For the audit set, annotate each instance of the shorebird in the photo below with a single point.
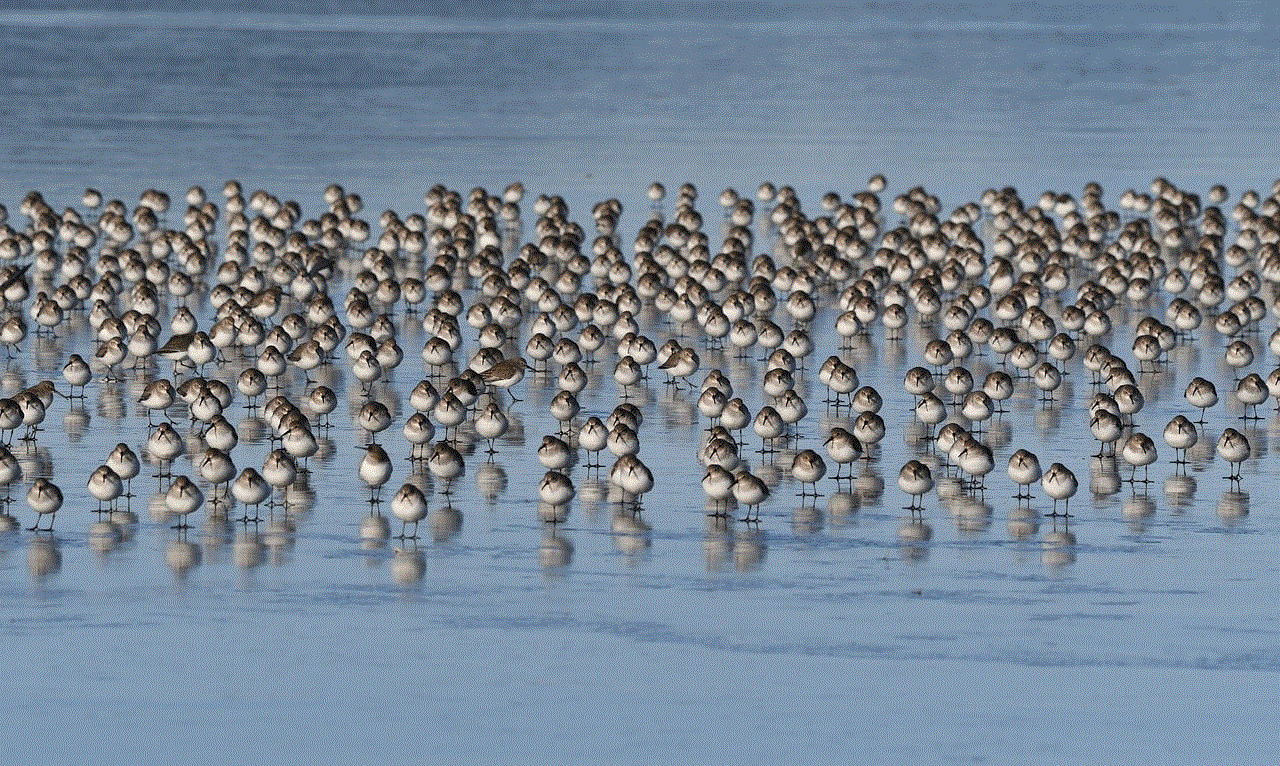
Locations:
(1233, 447)
(424, 396)
(749, 491)
(1107, 428)
(10, 471)
(623, 440)
(44, 497)
(1139, 450)
(322, 401)
(1201, 394)
(165, 444)
(1181, 435)
(869, 428)
(680, 365)
(769, 426)
(367, 369)
(249, 489)
(632, 476)
(717, 483)
(124, 462)
(916, 480)
(506, 374)
(491, 424)
(374, 469)
(554, 453)
(564, 408)
(418, 430)
(252, 383)
(410, 506)
(1059, 483)
(216, 467)
(182, 499)
(843, 448)
(930, 410)
(975, 459)
(157, 395)
(1251, 391)
(105, 485)
(1024, 470)
(305, 356)
(808, 468)
(555, 491)
(280, 471)
(445, 463)
(177, 350)
(374, 418)
(77, 374)
(999, 386)
(220, 434)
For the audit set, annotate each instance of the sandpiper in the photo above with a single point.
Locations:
(1138, 450)
(916, 480)
(44, 497)
(808, 468)
(555, 490)
(1233, 447)
(249, 489)
(1024, 470)
(1201, 394)
(77, 374)
(506, 374)
(124, 462)
(183, 498)
(491, 424)
(718, 483)
(1059, 483)
(445, 462)
(410, 506)
(750, 491)
(1181, 435)
(105, 485)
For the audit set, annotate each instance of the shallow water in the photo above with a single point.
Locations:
(824, 632)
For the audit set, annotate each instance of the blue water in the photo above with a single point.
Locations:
(824, 634)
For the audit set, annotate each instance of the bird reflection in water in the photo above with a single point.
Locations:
(717, 543)
(806, 520)
(1058, 547)
(1136, 510)
(749, 548)
(869, 487)
(408, 565)
(630, 535)
(44, 557)
(247, 549)
(1104, 476)
(1180, 492)
(182, 556)
(280, 535)
(914, 535)
(491, 481)
(104, 537)
(1233, 507)
(1023, 523)
(555, 552)
(972, 515)
(445, 523)
(76, 424)
(842, 508)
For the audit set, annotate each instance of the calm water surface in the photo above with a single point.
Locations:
(824, 632)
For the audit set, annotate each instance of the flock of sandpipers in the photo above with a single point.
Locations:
(1033, 285)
